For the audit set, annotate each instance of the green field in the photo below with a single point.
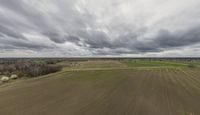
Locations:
(146, 63)
(107, 87)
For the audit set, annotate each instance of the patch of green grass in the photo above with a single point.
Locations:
(148, 63)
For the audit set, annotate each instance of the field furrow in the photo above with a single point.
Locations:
(136, 91)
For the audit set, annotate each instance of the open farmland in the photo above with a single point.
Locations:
(107, 87)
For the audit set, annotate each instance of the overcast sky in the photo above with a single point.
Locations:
(139, 28)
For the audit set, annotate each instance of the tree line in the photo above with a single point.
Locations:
(28, 68)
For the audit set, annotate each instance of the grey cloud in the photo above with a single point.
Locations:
(25, 10)
(54, 27)
(23, 44)
(163, 40)
(59, 38)
(73, 39)
(10, 32)
(54, 37)
(36, 20)
(95, 39)
(95, 27)
(166, 39)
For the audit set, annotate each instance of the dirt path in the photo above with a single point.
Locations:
(105, 92)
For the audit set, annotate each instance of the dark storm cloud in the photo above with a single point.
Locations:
(162, 41)
(167, 39)
(125, 43)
